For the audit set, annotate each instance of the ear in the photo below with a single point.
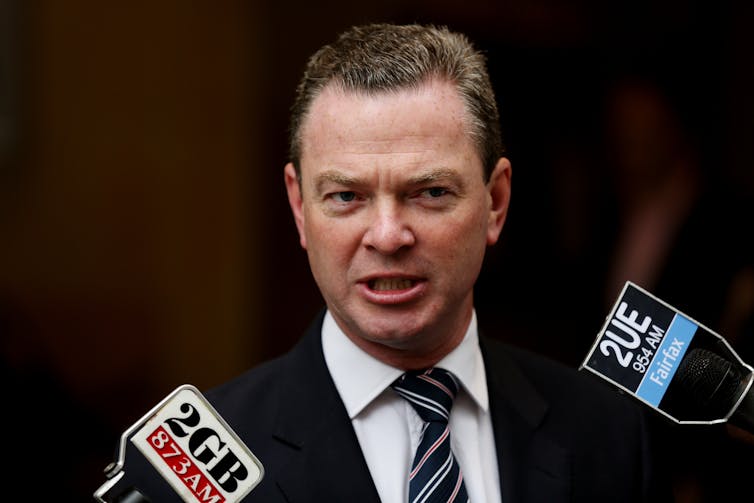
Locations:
(499, 187)
(293, 187)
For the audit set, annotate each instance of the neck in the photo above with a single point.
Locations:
(423, 351)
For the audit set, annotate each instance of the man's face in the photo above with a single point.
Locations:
(395, 215)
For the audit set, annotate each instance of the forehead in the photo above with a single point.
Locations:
(431, 113)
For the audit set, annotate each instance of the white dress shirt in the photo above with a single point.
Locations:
(389, 429)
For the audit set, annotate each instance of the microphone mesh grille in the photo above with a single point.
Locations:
(709, 380)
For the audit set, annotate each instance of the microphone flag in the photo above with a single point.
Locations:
(192, 448)
(649, 349)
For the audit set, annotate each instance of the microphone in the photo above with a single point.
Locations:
(715, 386)
(131, 495)
(191, 447)
(672, 363)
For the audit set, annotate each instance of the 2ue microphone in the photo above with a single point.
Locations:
(672, 363)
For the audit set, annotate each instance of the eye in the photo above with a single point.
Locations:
(435, 192)
(343, 197)
(436, 198)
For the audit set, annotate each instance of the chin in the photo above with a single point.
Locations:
(397, 328)
(397, 336)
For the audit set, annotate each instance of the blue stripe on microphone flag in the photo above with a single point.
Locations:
(667, 359)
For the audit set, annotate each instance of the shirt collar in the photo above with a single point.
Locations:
(360, 378)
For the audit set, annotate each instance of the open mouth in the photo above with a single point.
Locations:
(390, 291)
(390, 284)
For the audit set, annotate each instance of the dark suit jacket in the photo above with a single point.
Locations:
(561, 435)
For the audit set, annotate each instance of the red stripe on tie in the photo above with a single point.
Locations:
(437, 383)
(432, 449)
(458, 486)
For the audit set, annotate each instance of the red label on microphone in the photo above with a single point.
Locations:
(182, 465)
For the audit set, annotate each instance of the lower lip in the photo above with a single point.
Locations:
(393, 297)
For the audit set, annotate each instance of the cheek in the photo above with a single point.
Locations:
(459, 244)
(466, 243)
(468, 232)
(331, 244)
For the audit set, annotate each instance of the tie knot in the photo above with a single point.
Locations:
(430, 392)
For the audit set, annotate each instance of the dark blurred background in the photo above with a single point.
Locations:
(145, 239)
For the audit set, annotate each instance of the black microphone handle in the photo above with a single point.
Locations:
(131, 495)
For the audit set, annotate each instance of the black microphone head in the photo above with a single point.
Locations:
(710, 381)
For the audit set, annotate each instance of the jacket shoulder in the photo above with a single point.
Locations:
(563, 386)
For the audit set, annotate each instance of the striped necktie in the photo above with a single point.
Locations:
(435, 475)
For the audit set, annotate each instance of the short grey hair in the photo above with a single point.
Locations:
(385, 57)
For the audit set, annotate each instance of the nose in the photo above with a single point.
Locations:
(388, 232)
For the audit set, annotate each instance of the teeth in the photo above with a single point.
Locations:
(391, 284)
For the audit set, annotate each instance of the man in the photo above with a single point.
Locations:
(398, 185)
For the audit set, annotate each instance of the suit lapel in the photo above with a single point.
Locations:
(532, 467)
(324, 460)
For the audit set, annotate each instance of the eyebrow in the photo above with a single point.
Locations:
(335, 177)
(429, 177)
(434, 176)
